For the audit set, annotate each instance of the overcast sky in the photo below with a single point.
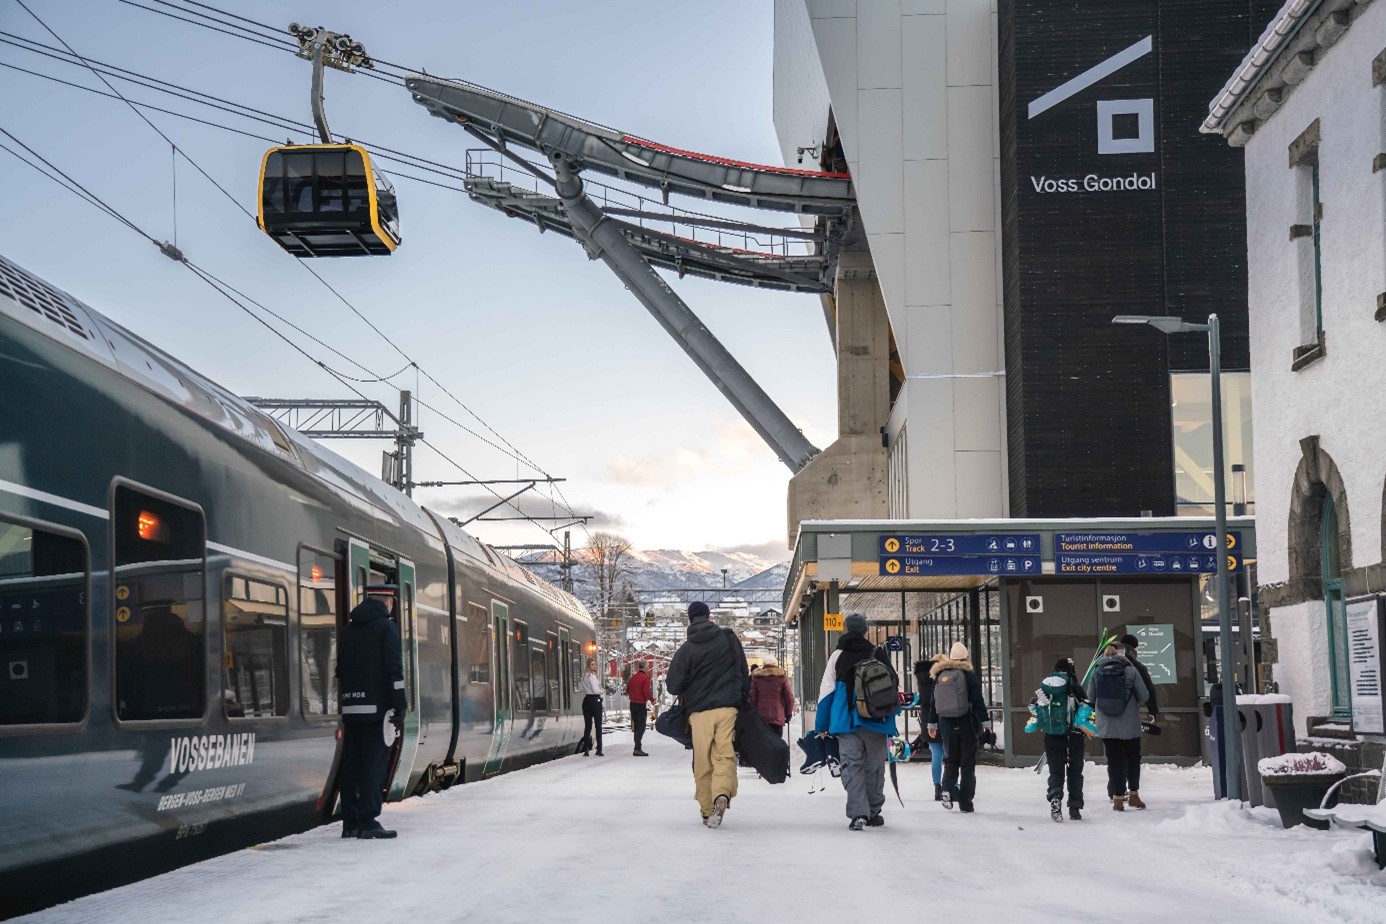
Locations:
(545, 346)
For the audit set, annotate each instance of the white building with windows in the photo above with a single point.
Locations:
(1308, 106)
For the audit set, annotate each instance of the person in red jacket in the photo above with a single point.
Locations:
(638, 692)
(771, 696)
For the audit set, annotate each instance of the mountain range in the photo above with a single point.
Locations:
(673, 570)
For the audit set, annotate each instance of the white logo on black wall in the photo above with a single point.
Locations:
(1140, 112)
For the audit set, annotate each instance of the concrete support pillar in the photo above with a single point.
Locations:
(848, 480)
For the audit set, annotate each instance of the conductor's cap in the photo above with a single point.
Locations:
(381, 590)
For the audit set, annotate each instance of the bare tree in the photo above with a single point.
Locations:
(607, 554)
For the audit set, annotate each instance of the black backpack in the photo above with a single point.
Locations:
(1109, 693)
(877, 689)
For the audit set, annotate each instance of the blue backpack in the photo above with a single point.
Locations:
(1109, 693)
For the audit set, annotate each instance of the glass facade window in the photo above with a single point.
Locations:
(160, 626)
(317, 632)
(43, 626)
(255, 618)
(1191, 412)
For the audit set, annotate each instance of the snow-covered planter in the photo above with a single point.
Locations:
(1314, 763)
(1300, 781)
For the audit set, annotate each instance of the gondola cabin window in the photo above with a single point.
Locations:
(43, 626)
(255, 616)
(317, 632)
(159, 554)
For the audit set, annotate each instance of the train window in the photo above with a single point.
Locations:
(160, 625)
(576, 673)
(478, 644)
(43, 626)
(550, 661)
(538, 681)
(255, 617)
(317, 632)
(519, 666)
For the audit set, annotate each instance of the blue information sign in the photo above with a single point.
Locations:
(1142, 563)
(924, 565)
(1202, 542)
(895, 643)
(955, 544)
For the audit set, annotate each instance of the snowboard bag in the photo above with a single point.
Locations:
(759, 746)
(673, 723)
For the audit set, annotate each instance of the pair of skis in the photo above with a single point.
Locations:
(1109, 637)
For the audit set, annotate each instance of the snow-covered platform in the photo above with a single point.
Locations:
(618, 839)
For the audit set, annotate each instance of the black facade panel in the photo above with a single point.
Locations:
(1149, 221)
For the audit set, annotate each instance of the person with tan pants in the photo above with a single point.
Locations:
(709, 675)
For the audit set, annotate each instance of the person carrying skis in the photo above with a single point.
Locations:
(1055, 706)
(957, 713)
(1117, 692)
(925, 685)
(854, 705)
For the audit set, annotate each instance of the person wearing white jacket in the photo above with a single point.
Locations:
(591, 708)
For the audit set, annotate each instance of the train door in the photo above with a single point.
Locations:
(407, 745)
(500, 687)
(564, 700)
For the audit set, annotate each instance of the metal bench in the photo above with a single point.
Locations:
(1364, 817)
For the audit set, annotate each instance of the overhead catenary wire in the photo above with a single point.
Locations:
(508, 448)
(287, 45)
(224, 289)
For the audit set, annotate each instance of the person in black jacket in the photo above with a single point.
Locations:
(958, 732)
(1133, 749)
(925, 685)
(370, 669)
(1064, 753)
(710, 675)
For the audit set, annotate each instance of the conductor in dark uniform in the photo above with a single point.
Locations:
(370, 669)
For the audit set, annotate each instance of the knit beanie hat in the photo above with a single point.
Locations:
(856, 622)
(958, 652)
(1130, 641)
(697, 610)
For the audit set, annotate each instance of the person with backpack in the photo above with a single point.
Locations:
(1054, 706)
(1117, 692)
(709, 672)
(957, 714)
(924, 681)
(1133, 769)
(857, 701)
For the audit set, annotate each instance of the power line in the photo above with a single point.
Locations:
(286, 45)
(221, 287)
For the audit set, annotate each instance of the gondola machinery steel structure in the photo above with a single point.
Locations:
(622, 237)
(327, 200)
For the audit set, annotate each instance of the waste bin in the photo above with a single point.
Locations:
(1213, 752)
(1266, 726)
(1274, 735)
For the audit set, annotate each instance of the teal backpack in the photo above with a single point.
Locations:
(1054, 705)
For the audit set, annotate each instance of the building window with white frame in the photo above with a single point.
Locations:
(1306, 235)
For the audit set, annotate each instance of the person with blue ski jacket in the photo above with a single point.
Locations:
(861, 741)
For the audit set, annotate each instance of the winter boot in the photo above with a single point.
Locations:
(350, 830)
(875, 821)
(640, 753)
(938, 793)
(1056, 809)
(857, 823)
(1133, 799)
(947, 799)
(1074, 813)
(719, 808)
(1119, 803)
(965, 808)
(372, 830)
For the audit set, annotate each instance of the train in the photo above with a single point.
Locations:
(175, 566)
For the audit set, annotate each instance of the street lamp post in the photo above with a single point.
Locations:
(1228, 734)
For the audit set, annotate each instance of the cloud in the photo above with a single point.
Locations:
(731, 447)
(774, 550)
(466, 506)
